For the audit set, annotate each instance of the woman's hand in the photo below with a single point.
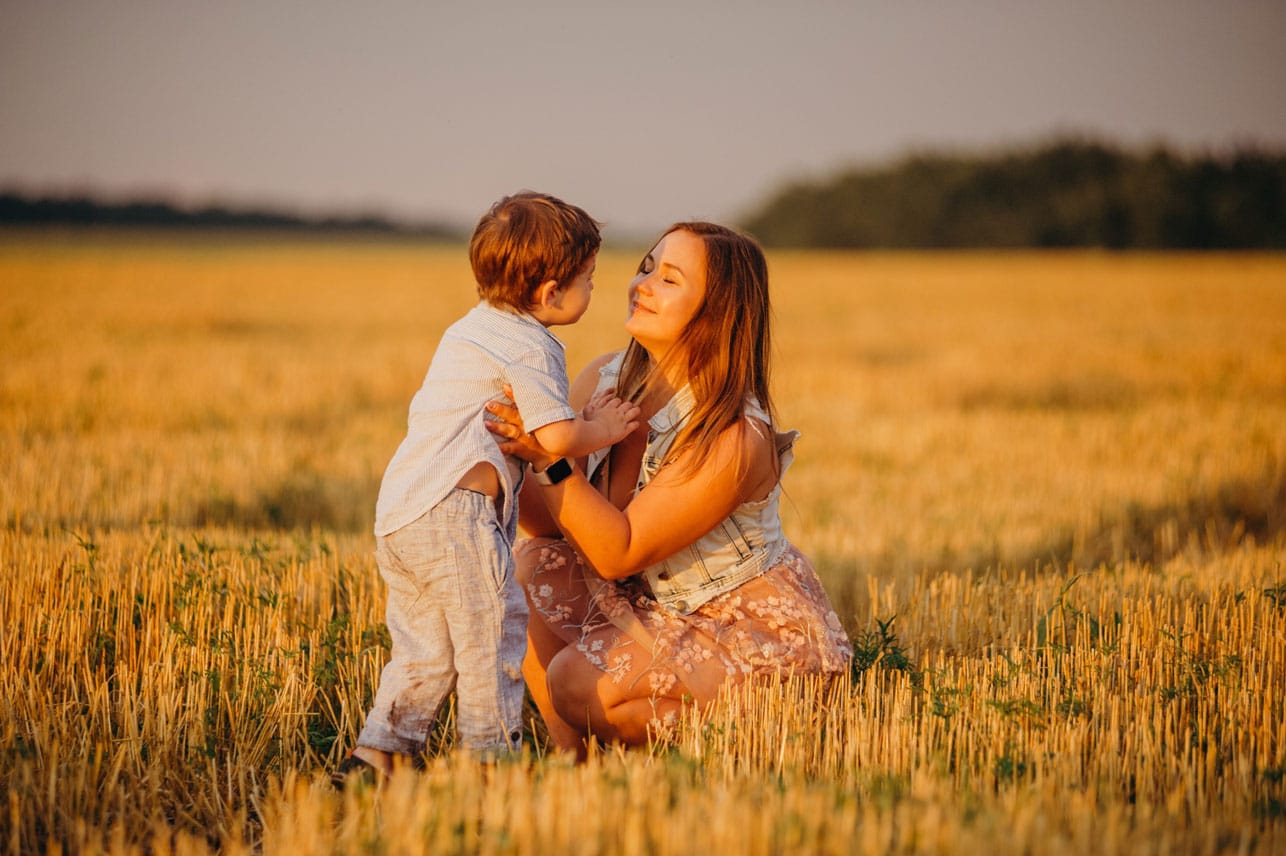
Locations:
(513, 438)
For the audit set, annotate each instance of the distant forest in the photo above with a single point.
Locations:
(83, 211)
(1068, 193)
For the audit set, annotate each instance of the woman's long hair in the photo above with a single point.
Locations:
(726, 346)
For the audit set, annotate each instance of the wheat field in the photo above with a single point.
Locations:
(1047, 494)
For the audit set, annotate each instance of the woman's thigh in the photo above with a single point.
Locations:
(553, 575)
(635, 663)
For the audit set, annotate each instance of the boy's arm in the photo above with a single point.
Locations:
(609, 421)
(534, 518)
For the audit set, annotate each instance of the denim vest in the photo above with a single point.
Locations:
(747, 542)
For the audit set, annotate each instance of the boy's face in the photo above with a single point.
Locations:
(572, 299)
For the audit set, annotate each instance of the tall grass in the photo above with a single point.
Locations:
(1045, 492)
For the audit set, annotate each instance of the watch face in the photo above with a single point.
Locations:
(559, 470)
(555, 472)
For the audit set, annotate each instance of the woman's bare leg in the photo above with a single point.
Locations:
(563, 735)
(544, 640)
(589, 702)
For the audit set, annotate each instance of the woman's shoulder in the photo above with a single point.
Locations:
(607, 364)
(602, 364)
(747, 444)
(593, 377)
(763, 452)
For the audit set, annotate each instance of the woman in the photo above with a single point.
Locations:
(671, 577)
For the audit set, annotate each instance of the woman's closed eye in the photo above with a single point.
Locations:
(649, 264)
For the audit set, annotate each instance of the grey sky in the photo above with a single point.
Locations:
(642, 114)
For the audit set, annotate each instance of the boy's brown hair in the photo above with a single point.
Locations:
(528, 239)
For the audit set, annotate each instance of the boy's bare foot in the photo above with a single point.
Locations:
(381, 762)
(365, 765)
(353, 771)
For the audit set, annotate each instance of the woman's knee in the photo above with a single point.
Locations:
(573, 687)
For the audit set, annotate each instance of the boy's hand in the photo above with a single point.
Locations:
(616, 418)
(600, 398)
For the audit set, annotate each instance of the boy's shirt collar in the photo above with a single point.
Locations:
(519, 316)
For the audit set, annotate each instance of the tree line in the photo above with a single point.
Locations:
(1066, 193)
(17, 209)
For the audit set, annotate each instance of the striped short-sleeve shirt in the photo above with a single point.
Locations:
(445, 438)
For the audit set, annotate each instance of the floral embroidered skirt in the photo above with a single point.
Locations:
(780, 623)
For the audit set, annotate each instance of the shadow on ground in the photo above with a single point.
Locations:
(1216, 522)
(1213, 523)
(301, 500)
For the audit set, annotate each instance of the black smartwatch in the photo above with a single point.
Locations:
(554, 473)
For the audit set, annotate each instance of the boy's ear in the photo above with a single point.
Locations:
(547, 294)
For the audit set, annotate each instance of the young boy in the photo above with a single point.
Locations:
(446, 516)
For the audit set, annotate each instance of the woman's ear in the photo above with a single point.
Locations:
(548, 294)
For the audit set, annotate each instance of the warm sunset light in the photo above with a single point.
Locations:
(1017, 587)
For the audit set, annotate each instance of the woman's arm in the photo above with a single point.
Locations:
(674, 510)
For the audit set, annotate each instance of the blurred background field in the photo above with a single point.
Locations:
(1047, 492)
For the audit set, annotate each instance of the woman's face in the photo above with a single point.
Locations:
(667, 291)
